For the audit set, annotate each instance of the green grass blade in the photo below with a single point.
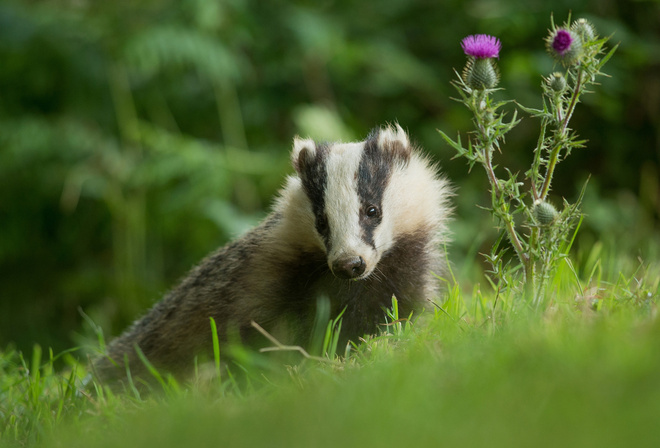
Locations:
(216, 348)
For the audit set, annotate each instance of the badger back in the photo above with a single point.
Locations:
(366, 197)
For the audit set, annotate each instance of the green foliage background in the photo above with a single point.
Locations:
(135, 137)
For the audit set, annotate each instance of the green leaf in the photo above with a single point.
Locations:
(454, 144)
(534, 112)
(607, 57)
(216, 348)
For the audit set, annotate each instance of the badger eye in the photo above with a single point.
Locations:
(372, 211)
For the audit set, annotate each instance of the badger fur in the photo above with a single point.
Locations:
(357, 224)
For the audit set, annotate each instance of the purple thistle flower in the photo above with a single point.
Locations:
(481, 46)
(565, 46)
(562, 41)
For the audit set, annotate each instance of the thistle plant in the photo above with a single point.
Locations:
(539, 234)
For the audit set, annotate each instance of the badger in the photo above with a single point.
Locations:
(357, 224)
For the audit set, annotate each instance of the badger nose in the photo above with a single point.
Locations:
(348, 267)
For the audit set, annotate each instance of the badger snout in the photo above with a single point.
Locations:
(349, 267)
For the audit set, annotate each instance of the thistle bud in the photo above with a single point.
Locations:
(584, 29)
(544, 213)
(556, 82)
(565, 46)
(481, 72)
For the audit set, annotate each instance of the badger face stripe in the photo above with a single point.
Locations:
(342, 204)
(314, 180)
(373, 177)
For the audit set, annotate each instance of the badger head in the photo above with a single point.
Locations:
(351, 191)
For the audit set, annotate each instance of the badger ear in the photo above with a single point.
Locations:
(304, 151)
(394, 140)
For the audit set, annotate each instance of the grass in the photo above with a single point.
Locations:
(483, 370)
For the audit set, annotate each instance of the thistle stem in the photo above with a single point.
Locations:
(554, 156)
(496, 193)
(517, 245)
(574, 100)
(488, 166)
(505, 216)
(560, 135)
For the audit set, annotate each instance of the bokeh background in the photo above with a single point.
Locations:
(135, 137)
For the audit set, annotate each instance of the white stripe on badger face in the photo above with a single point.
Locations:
(342, 207)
